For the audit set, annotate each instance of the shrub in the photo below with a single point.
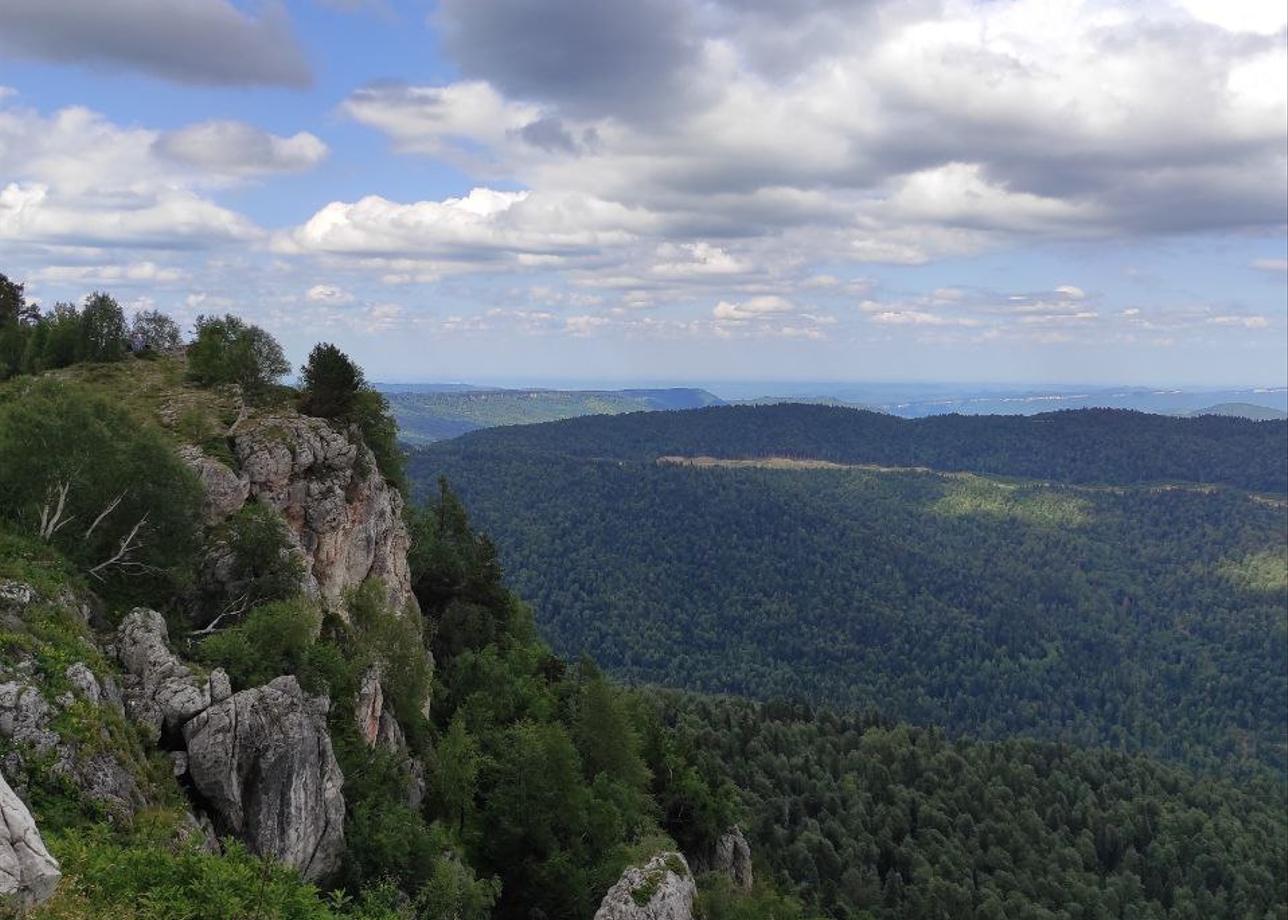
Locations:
(272, 640)
(264, 567)
(114, 497)
(230, 350)
(102, 330)
(153, 332)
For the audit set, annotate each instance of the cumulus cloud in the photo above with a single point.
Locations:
(130, 272)
(587, 56)
(77, 179)
(206, 42)
(893, 133)
(485, 225)
(235, 148)
(1271, 265)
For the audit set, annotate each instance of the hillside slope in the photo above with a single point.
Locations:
(1142, 617)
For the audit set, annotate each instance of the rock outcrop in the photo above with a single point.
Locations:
(28, 874)
(262, 760)
(346, 520)
(732, 857)
(162, 693)
(224, 491)
(661, 889)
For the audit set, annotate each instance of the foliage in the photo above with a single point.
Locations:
(1073, 446)
(119, 479)
(102, 329)
(229, 350)
(144, 876)
(153, 332)
(264, 566)
(867, 819)
(1136, 617)
(330, 383)
(273, 639)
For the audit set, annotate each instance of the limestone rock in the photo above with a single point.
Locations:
(661, 889)
(262, 760)
(369, 705)
(225, 491)
(347, 521)
(84, 682)
(733, 858)
(25, 716)
(164, 693)
(28, 874)
(16, 594)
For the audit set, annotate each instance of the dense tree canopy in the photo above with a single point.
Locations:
(1138, 617)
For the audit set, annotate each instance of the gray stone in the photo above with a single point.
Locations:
(220, 686)
(164, 693)
(28, 874)
(346, 520)
(25, 716)
(368, 706)
(262, 760)
(225, 491)
(16, 595)
(84, 682)
(733, 858)
(670, 882)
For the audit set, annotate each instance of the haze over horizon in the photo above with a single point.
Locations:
(684, 190)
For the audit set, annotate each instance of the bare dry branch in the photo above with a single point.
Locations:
(121, 558)
(51, 518)
(104, 513)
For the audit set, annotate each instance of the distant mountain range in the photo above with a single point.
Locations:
(434, 412)
(430, 412)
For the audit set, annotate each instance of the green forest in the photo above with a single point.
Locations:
(1115, 446)
(1138, 618)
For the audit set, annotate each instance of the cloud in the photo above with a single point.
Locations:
(1271, 265)
(483, 226)
(588, 57)
(235, 148)
(130, 272)
(76, 179)
(203, 42)
(755, 308)
(328, 293)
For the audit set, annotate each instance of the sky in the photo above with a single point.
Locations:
(1030, 191)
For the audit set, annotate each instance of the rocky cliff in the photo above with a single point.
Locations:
(345, 521)
(28, 874)
(661, 889)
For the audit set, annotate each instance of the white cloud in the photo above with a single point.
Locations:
(754, 308)
(328, 293)
(145, 271)
(1271, 265)
(234, 148)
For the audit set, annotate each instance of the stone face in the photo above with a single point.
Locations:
(262, 760)
(225, 491)
(368, 706)
(84, 682)
(346, 520)
(25, 716)
(733, 858)
(28, 874)
(164, 693)
(664, 884)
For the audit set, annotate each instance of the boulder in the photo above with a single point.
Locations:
(84, 682)
(346, 520)
(262, 761)
(733, 858)
(28, 874)
(163, 692)
(225, 491)
(661, 889)
(25, 716)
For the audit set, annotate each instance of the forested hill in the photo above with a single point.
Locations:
(1079, 446)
